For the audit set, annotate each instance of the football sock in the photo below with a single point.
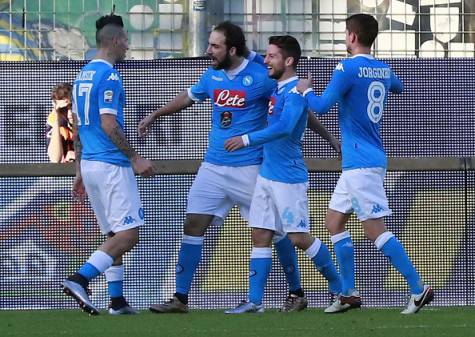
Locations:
(259, 269)
(319, 254)
(115, 280)
(395, 252)
(189, 258)
(345, 255)
(288, 260)
(97, 263)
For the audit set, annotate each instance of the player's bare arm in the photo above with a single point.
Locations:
(142, 166)
(79, 191)
(314, 124)
(180, 102)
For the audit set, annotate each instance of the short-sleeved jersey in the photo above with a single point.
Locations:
(98, 90)
(239, 99)
(360, 85)
(282, 138)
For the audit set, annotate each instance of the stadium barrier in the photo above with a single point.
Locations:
(45, 235)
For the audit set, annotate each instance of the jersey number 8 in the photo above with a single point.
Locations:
(376, 95)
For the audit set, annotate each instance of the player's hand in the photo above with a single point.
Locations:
(144, 125)
(79, 191)
(233, 144)
(143, 167)
(305, 83)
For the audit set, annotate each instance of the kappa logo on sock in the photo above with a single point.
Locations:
(252, 273)
(289, 269)
(178, 269)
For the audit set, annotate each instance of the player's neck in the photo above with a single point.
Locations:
(287, 74)
(358, 50)
(104, 54)
(235, 63)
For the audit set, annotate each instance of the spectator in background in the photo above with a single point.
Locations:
(59, 134)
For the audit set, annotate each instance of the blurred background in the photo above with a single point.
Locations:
(64, 29)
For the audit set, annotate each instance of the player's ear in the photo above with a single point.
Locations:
(232, 51)
(289, 61)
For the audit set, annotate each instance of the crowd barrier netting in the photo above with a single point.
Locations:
(44, 235)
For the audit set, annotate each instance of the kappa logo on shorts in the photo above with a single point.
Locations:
(128, 220)
(302, 224)
(376, 209)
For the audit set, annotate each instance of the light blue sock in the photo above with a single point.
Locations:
(288, 260)
(345, 255)
(115, 280)
(188, 261)
(259, 269)
(97, 263)
(395, 252)
(322, 259)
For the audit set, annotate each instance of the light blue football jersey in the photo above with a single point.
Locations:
(282, 138)
(360, 85)
(240, 100)
(98, 89)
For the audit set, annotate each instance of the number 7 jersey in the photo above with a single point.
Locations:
(98, 90)
(360, 85)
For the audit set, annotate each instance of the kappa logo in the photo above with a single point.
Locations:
(216, 78)
(339, 66)
(128, 220)
(113, 77)
(294, 91)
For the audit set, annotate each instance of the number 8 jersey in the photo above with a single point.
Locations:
(360, 85)
(98, 90)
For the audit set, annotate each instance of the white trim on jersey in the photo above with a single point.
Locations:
(107, 111)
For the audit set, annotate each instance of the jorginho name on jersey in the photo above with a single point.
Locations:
(239, 99)
(98, 90)
(360, 85)
(282, 139)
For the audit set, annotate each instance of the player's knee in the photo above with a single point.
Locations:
(196, 224)
(300, 240)
(261, 237)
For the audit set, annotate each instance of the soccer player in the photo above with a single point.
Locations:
(239, 90)
(280, 203)
(103, 167)
(360, 85)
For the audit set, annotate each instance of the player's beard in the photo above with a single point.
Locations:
(224, 64)
(277, 74)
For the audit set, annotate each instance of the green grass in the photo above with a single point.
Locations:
(433, 322)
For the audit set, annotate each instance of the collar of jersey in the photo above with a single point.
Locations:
(368, 56)
(282, 83)
(231, 74)
(103, 61)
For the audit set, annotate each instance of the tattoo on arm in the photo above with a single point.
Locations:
(117, 137)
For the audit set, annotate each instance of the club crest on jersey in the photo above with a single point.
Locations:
(229, 98)
(271, 105)
(108, 96)
(226, 118)
(247, 81)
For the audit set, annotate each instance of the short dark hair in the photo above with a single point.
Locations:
(234, 37)
(364, 26)
(289, 46)
(61, 91)
(111, 21)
